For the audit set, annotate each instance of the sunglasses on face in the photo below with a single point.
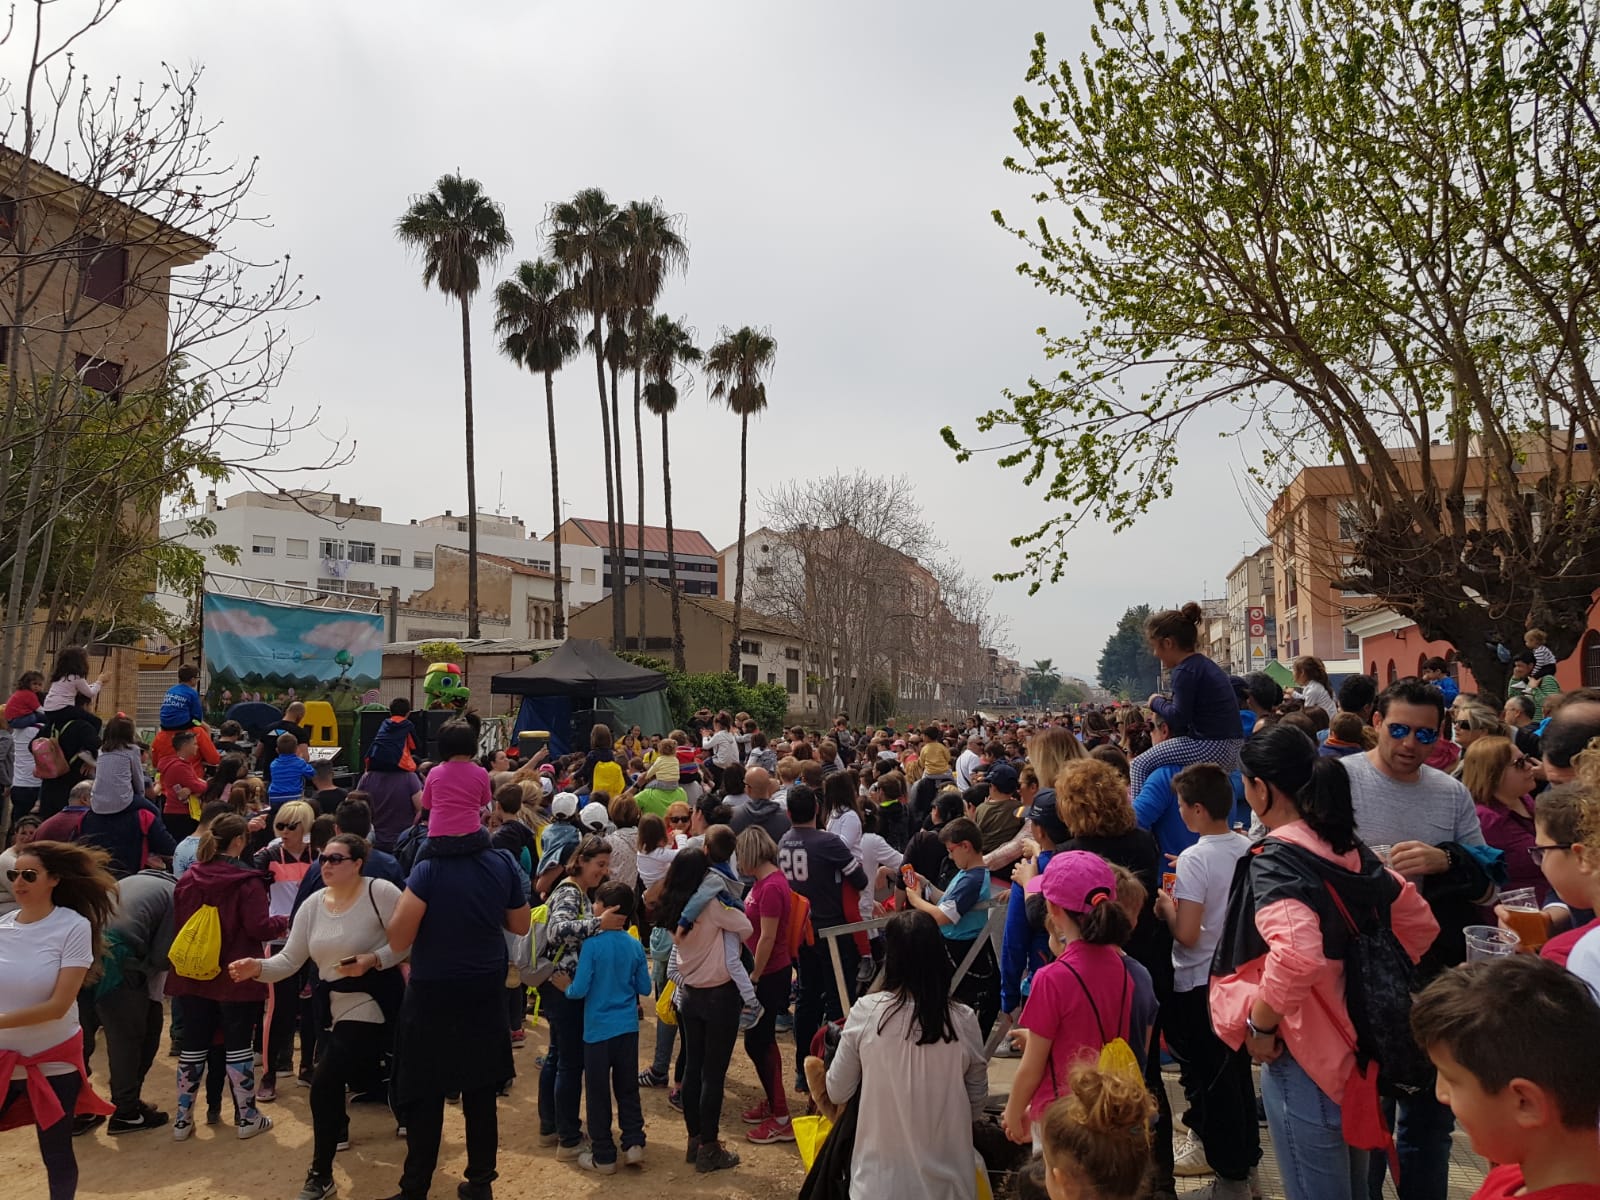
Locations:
(678, 820)
(285, 826)
(1424, 736)
(1522, 763)
(329, 859)
(27, 875)
(1537, 853)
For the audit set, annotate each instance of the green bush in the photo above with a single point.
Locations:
(767, 703)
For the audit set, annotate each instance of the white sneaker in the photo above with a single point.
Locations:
(1220, 1189)
(549, 1139)
(634, 1156)
(587, 1162)
(248, 1129)
(571, 1153)
(749, 1015)
(1189, 1158)
(182, 1129)
(1255, 1183)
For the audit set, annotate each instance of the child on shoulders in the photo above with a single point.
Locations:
(722, 884)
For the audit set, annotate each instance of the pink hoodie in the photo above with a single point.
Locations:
(1297, 980)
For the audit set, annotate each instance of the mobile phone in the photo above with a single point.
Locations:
(908, 875)
(349, 962)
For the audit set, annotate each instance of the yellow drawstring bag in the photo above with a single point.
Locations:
(197, 950)
(665, 1013)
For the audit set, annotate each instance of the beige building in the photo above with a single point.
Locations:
(771, 651)
(515, 600)
(1250, 585)
(695, 557)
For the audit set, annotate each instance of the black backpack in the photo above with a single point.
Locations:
(409, 844)
(1379, 981)
(388, 746)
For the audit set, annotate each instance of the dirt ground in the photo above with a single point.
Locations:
(215, 1165)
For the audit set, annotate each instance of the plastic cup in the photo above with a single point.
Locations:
(1525, 897)
(1382, 852)
(1524, 917)
(1487, 942)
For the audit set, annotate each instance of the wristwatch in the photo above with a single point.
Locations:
(1257, 1031)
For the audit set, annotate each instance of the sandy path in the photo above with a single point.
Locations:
(215, 1165)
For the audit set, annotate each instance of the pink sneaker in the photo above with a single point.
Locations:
(773, 1129)
(757, 1115)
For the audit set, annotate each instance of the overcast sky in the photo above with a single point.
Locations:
(836, 165)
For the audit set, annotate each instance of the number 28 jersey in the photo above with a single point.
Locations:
(817, 863)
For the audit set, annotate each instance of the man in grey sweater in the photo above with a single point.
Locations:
(138, 938)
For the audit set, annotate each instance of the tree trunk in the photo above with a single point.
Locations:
(738, 586)
(672, 563)
(559, 623)
(638, 458)
(619, 567)
(605, 434)
(472, 477)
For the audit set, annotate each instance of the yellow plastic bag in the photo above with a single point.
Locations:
(197, 950)
(1116, 1058)
(809, 1134)
(665, 1013)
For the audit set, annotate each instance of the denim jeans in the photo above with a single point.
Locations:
(1422, 1128)
(611, 1068)
(1306, 1132)
(561, 1079)
(666, 1035)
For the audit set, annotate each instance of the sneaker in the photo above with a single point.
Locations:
(86, 1124)
(344, 1141)
(692, 1152)
(267, 1093)
(749, 1015)
(182, 1129)
(634, 1156)
(213, 1116)
(303, 1079)
(773, 1129)
(1189, 1158)
(519, 1038)
(549, 1139)
(756, 1115)
(587, 1162)
(714, 1156)
(247, 1129)
(317, 1188)
(143, 1117)
(1255, 1183)
(1221, 1189)
(1007, 1049)
(784, 1023)
(649, 1079)
(675, 1098)
(570, 1153)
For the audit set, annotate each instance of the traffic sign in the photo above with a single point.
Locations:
(1258, 629)
(1258, 652)
(1255, 614)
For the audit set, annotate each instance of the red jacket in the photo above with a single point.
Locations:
(161, 745)
(240, 895)
(177, 772)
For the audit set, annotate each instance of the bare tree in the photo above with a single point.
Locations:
(139, 340)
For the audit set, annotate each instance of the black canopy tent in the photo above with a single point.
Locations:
(583, 683)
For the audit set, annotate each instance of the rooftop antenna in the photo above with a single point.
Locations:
(500, 497)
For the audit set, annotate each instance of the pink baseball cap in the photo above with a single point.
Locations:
(1075, 880)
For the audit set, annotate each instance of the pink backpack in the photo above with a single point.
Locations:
(49, 761)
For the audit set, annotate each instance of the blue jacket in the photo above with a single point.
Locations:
(289, 775)
(1023, 949)
(180, 707)
(612, 974)
(1156, 809)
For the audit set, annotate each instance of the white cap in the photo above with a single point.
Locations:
(594, 817)
(564, 805)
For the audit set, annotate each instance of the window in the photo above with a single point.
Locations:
(566, 574)
(1347, 566)
(5, 345)
(331, 548)
(423, 562)
(391, 558)
(750, 648)
(791, 681)
(263, 545)
(363, 552)
(792, 654)
(772, 677)
(748, 674)
(8, 217)
(296, 548)
(1473, 508)
(103, 272)
(1349, 521)
(330, 585)
(1591, 659)
(361, 587)
(587, 575)
(763, 572)
(1352, 642)
(104, 377)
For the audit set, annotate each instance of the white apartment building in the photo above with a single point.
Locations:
(1250, 585)
(318, 540)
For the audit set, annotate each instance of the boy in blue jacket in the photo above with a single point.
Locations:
(289, 773)
(180, 707)
(612, 975)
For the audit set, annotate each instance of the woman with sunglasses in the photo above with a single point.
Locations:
(220, 877)
(1501, 780)
(21, 834)
(342, 930)
(64, 896)
(285, 861)
(679, 817)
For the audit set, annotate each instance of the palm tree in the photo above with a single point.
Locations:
(534, 316)
(585, 239)
(457, 229)
(1043, 679)
(736, 365)
(652, 247)
(664, 346)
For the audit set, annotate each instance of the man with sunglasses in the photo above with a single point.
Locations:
(1429, 821)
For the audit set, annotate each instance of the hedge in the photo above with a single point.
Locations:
(767, 703)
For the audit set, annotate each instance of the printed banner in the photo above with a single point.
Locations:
(255, 650)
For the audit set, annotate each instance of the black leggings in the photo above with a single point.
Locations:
(277, 1056)
(55, 1143)
(710, 1024)
(349, 1052)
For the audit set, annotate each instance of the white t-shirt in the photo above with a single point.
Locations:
(31, 957)
(875, 853)
(969, 762)
(1584, 961)
(22, 762)
(653, 865)
(846, 826)
(1205, 875)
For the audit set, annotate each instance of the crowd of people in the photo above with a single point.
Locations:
(1228, 877)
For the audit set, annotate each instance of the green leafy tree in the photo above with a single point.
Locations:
(1040, 681)
(458, 231)
(535, 318)
(1360, 229)
(1067, 694)
(586, 239)
(737, 367)
(1127, 667)
(666, 347)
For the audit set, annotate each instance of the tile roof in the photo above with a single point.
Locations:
(516, 567)
(689, 542)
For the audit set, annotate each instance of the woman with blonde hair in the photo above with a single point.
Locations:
(285, 861)
(1501, 779)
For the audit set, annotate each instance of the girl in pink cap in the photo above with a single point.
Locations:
(1090, 995)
